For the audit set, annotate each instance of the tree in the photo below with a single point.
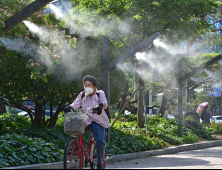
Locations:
(46, 68)
(181, 19)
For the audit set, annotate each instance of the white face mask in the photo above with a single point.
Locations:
(89, 90)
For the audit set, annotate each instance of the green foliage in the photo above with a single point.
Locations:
(13, 122)
(126, 137)
(46, 69)
(130, 117)
(213, 128)
(185, 17)
(121, 143)
(162, 128)
(18, 150)
(201, 131)
(113, 111)
(54, 135)
(26, 59)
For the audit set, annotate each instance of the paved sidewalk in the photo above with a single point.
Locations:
(210, 158)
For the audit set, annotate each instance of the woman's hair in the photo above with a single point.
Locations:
(206, 107)
(90, 78)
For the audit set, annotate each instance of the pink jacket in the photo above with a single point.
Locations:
(92, 101)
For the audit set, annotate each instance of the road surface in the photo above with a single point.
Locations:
(209, 158)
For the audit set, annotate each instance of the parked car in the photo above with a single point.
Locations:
(170, 117)
(24, 113)
(47, 113)
(127, 112)
(217, 119)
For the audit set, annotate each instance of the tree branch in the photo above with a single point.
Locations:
(216, 30)
(193, 86)
(137, 99)
(216, 21)
(122, 41)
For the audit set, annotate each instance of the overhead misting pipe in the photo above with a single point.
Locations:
(124, 106)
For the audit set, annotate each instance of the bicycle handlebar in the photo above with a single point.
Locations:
(93, 110)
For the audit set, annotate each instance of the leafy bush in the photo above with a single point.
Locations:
(201, 131)
(113, 110)
(121, 143)
(130, 117)
(54, 135)
(12, 122)
(17, 150)
(161, 128)
(12, 111)
(126, 137)
(214, 128)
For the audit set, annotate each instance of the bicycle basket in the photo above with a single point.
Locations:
(74, 123)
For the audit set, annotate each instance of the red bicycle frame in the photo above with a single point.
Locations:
(82, 145)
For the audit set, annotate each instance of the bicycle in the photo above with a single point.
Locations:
(75, 149)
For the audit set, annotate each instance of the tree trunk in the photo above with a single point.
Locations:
(38, 113)
(55, 118)
(140, 116)
(163, 103)
(51, 109)
(60, 108)
(2, 108)
(43, 116)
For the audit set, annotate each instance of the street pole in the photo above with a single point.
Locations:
(186, 91)
(144, 106)
(150, 102)
(106, 74)
(180, 98)
(134, 73)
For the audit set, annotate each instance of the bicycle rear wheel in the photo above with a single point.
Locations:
(73, 155)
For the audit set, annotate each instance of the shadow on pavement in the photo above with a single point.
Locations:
(208, 152)
(159, 162)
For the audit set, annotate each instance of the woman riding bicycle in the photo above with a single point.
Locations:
(100, 121)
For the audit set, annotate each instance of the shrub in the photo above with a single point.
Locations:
(201, 131)
(216, 128)
(12, 122)
(161, 128)
(121, 143)
(17, 150)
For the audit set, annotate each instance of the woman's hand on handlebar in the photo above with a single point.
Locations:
(93, 110)
(68, 109)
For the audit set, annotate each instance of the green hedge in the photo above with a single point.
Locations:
(39, 145)
(18, 150)
(161, 128)
(14, 122)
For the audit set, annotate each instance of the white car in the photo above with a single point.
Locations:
(168, 116)
(127, 112)
(217, 119)
(23, 113)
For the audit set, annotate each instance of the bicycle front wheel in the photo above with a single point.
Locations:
(73, 154)
(93, 155)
